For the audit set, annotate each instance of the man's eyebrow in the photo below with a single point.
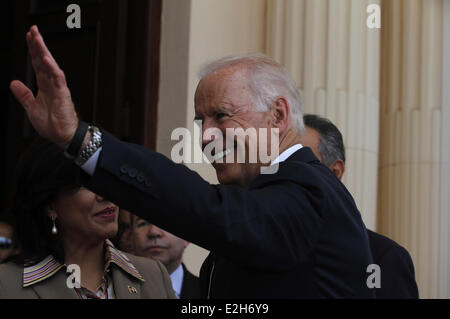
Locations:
(222, 108)
(227, 108)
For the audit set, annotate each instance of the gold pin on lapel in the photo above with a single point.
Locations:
(132, 290)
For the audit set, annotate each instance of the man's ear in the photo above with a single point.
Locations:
(338, 168)
(186, 243)
(280, 113)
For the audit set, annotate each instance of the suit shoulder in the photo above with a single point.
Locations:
(398, 279)
(11, 281)
(149, 268)
(154, 273)
(10, 270)
(379, 239)
(141, 262)
(383, 247)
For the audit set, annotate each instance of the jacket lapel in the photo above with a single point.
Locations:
(55, 287)
(124, 286)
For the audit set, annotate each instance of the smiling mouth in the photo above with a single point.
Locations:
(110, 211)
(221, 155)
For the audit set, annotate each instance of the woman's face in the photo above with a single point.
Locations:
(85, 215)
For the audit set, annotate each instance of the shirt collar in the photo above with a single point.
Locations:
(41, 271)
(113, 255)
(288, 152)
(177, 280)
(50, 266)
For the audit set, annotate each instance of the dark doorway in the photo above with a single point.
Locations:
(111, 65)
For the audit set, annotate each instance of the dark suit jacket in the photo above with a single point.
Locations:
(293, 234)
(397, 268)
(190, 288)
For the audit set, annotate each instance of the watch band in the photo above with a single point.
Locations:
(77, 140)
(93, 145)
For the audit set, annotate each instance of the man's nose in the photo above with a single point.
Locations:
(205, 140)
(210, 132)
(155, 231)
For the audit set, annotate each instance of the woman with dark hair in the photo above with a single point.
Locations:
(62, 231)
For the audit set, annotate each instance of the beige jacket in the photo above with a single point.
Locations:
(157, 284)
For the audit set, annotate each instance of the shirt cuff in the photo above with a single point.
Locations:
(91, 163)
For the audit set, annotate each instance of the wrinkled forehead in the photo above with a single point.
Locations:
(229, 86)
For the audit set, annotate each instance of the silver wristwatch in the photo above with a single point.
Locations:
(94, 144)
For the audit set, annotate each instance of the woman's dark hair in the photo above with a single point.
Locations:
(44, 173)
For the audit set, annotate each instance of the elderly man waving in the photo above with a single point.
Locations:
(293, 232)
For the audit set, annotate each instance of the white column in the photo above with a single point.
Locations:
(444, 251)
(411, 203)
(335, 61)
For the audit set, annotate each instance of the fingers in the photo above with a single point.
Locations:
(36, 60)
(41, 57)
(39, 44)
(22, 94)
(57, 74)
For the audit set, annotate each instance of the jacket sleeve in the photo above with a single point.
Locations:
(274, 226)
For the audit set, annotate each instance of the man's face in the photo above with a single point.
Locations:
(223, 100)
(153, 242)
(311, 139)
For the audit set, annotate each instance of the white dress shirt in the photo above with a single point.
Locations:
(91, 163)
(177, 280)
(285, 155)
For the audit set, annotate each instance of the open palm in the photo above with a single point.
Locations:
(51, 112)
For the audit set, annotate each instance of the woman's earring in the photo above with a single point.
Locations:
(54, 229)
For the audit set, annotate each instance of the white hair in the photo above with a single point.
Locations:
(267, 81)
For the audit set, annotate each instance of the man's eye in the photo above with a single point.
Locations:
(221, 115)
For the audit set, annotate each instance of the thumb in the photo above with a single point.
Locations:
(22, 93)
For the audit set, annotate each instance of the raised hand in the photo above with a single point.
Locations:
(51, 112)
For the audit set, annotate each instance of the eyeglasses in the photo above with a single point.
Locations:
(5, 243)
